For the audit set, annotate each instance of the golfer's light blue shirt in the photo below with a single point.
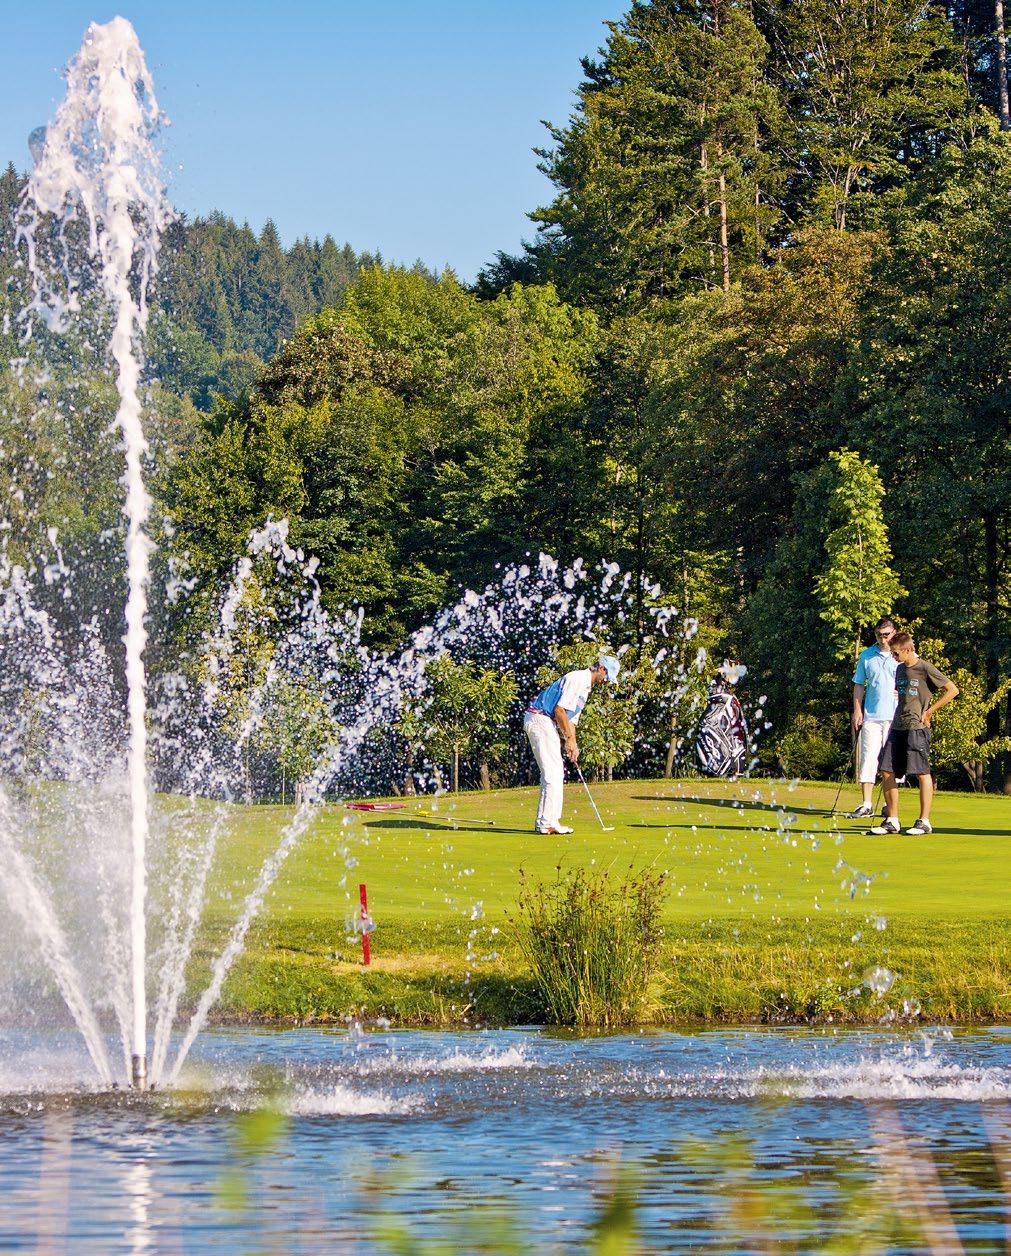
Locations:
(876, 672)
(570, 690)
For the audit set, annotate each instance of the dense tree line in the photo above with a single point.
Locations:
(225, 297)
(764, 312)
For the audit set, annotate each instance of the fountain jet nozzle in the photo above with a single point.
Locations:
(138, 1072)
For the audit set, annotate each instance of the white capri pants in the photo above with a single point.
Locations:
(873, 735)
(542, 733)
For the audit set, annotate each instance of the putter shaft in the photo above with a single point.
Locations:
(608, 828)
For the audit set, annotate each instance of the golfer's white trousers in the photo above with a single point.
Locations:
(542, 733)
(873, 735)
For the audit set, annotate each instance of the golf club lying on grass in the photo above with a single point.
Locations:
(413, 807)
(608, 828)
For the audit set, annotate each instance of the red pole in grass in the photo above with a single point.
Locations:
(363, 898)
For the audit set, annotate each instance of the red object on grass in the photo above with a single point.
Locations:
(375, 806)
(363, 898)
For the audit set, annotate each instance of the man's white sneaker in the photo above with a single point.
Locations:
(554, 828)
(891, 825)
(920, 828)
(863, 812)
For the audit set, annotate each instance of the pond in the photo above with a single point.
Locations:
(514, 1140)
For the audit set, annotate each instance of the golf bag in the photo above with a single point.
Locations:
(721, 743)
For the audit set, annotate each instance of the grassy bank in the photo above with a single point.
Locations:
(776, 911)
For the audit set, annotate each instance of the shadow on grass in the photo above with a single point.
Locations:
(457, 826)
(738, 804)
(942, 830)
(689, 828)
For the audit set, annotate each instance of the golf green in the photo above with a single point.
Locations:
(775, 909)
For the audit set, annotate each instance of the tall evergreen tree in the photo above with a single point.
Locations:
(664, 172)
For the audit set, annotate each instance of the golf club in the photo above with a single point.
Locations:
(845, 776)
(608, 828)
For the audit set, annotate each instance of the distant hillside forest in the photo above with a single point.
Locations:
(225, 298)
(756, 350)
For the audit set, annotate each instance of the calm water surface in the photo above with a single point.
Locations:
(477, 1140)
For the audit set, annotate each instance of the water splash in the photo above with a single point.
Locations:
(31, 904)
(89, 228)
(99, 157)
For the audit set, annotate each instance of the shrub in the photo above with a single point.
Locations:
(811, 748)
(592, 943)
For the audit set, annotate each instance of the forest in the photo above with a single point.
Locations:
(754, 352)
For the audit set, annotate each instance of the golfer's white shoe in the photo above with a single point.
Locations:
(891, 825)
(553, 828)
(920, 828)
(863, 812)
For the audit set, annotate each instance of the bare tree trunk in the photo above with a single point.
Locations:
(485, 771)
(456, 770)
(1002, 92)
(759, 239)
(706, 209)
(842, 203)
(974, 771)
(671, 750)
(724, 229)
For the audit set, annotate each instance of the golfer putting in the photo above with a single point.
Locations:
(550, 723)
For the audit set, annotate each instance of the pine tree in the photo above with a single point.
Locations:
(298, 286)
(663, 172)
(332, 277)
(11, 185)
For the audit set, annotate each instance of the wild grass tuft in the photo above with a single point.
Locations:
(593, 943)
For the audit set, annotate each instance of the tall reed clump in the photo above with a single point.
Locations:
(592, 942)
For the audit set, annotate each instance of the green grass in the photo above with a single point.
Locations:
(775, 911)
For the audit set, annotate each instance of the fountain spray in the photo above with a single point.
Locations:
(98, 155)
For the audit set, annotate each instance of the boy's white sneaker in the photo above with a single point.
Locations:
(863, 812)
(891, 825)
(553, 828)
(920, 828)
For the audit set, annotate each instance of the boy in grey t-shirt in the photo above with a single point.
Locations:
(907, 750)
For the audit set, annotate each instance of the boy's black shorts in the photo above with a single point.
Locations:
(907, 752)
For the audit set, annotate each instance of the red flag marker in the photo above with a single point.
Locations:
(366, 925)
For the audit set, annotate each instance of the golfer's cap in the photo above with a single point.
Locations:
(610, 665)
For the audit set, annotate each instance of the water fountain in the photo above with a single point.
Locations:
(98, 156)
(89, 227)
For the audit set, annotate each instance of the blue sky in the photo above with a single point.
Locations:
(403, 127)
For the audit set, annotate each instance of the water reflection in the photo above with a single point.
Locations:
(139, 1196)
(54, 1179)
(513, 1141)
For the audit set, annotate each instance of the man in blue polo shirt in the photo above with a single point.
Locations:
(551, 718)
(874, 701)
